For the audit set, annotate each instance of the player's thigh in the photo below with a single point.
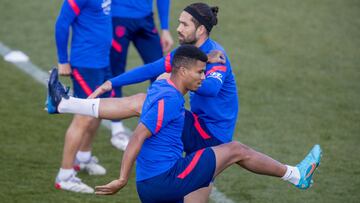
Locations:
(147, 42)
(86, 80)
(122, 33)
(188, 174)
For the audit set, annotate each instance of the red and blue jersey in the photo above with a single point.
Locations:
(140, 9)
(163, 114)
(91, 33)
(215, 102)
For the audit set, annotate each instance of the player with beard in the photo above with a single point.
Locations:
(214, 105)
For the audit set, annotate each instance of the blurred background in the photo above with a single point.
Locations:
(297, 65)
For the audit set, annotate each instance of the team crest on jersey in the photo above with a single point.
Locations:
(215, 75)
(106, 6)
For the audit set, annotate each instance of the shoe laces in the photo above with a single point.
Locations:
(75, 179)
(62, 90)
(308, 159)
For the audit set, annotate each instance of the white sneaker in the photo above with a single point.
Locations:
(73, 184)
(120, 140)
(92, 166)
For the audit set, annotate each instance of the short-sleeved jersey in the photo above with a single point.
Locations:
(90, 21)
(163, 114)
(140, 9)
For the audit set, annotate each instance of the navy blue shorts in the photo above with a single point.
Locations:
(187, 175)
(86, 80)
(144, 35)
(195, 135)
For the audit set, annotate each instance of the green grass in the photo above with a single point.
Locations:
(297, 70)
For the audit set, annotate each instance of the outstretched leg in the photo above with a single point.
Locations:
(106, 108)
(235, 152)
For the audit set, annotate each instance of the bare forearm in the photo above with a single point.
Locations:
(129, 157)
(132, 151)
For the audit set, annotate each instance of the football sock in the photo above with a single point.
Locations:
(82, 156)
(292, 175)
(86, 107)
(65, 173)
(116, 127)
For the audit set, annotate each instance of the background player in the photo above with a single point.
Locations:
(132, 21)
(88, 66)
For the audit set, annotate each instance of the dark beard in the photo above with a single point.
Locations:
(192, 42)
(188, 42)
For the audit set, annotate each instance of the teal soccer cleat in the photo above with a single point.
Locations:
(308, 166)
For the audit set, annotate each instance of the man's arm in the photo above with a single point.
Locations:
(140, 74)
(152, 70)
(69, 11)
(129, 157)
(214, 80)
(167, 41)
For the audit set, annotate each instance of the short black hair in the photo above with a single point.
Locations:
(187, 55)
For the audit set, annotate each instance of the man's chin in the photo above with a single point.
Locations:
(181, 42)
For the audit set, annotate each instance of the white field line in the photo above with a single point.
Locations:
(41, 76)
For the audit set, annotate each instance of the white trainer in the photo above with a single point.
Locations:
(73, 184)
(92, 167)
(120, 140)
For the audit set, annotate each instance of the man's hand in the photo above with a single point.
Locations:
(216, 56)
(105, 87)
(166, 41)
(64, 69)
(110, 188)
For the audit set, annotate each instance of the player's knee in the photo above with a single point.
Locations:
(138, 102)
(85, 122)
(240, 150)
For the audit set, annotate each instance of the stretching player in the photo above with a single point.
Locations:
(214, 106)
(132, 21)
(158, 139)
(88, 67)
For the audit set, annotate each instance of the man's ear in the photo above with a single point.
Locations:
(201, 30)
(182, 70)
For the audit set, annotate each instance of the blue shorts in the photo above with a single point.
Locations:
(145, 37)
(86, 80)
(195, 135)
(187, 175)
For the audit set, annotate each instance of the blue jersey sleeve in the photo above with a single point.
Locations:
(214, 79)
(69, 11)
(145, 72)
(163, 7)
(160, 114)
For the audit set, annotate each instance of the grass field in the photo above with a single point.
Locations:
(297, 65)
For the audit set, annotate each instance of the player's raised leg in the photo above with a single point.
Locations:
(235, 152)
(107, 108)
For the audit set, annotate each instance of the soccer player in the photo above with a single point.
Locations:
(158, 139)
(88, 67)
(132, 21)
(214, 106)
